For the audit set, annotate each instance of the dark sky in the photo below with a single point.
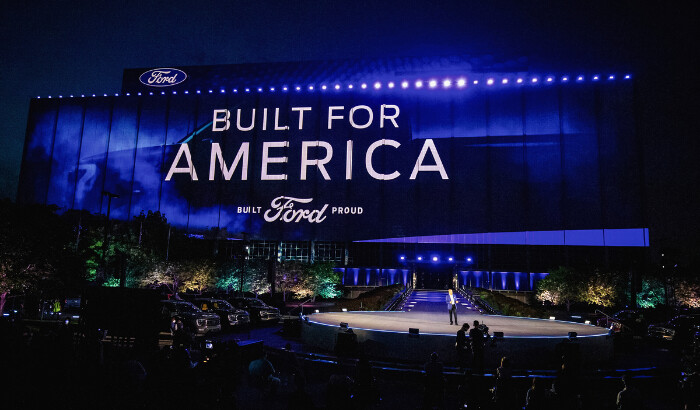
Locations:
(63, 47)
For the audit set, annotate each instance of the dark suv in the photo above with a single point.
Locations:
(230, 316)
(194, 318)
(681, 328)
(259, 311)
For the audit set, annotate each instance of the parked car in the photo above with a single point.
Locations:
(229, 315)
(259, 311)
(679, 329)
(194, 318)
(628, 320)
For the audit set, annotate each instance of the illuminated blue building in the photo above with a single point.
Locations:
(368, 163)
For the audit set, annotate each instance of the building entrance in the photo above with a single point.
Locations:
(433, 277)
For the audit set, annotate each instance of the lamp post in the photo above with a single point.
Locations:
(101, 274)
(245, 261)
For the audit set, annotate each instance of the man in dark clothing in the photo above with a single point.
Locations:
(477, 341)
(451, 306)
(462, 345)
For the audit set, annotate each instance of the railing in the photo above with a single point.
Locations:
(613, 320)
(481, 304)
(300, 306)
(398, 299)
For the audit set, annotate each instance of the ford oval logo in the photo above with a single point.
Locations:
(162, 77)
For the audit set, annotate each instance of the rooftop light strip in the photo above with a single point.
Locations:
(430, 83)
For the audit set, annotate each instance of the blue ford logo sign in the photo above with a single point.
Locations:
(162, 77)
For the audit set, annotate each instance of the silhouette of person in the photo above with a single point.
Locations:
(477, 341)
(462, 345)
(434, 383)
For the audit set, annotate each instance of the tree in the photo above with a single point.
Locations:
(254, 274)
(688, 292)
(602, 288)
(561, 285)
(319, 279)
(32, 238)
(652, 293)
(170, 275)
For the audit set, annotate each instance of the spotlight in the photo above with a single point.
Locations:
(565, 79)
(596, 78)
(316, 310)
(447, 83)
(550, 79)
(419, 84)
(476, 82)
(391, 84)
(552, 318)
(337, 86)
(461, 82)
(323, 87)
(534, 80)
(402, 258)
(432, 83)
(489, 81)
(404, 84)
(247, 90)
(627, 77)
(450, 259)
(435, 258)
(345, 309)
(579, 78)
(420, 258)
(519, 81)
(350, 86)
(311, 88)
(612, 77)
(469, 259)
(504, 81)
(377, 85)
(363, 86)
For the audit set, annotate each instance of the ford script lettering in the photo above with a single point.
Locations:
(162, 77)
(282, 209)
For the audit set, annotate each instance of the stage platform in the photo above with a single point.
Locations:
(531, 343)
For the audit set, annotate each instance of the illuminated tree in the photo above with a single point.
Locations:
(602, 289)
(561, 285)
(254, 274)
(688, 292)
(652, 293)
(319, 279)
(32, 239)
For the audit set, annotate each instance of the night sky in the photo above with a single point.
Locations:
(70, 47)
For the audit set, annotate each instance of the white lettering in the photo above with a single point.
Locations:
(189, 169)
(429, 145)
(266, 159)
(228, 172)
(301, 114)
(238, 121)
(391, 118)
(225, 120)
(368, 160)
(282, 208)
(352, 113)
(332, 117)
(305, 162)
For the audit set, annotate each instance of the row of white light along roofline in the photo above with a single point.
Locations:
(431, 84)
